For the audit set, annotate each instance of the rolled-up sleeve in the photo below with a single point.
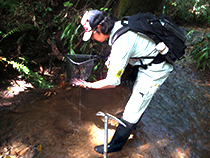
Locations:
(114, 73)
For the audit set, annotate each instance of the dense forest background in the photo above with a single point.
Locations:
(35, 35)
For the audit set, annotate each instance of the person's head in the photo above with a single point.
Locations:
(97, 25)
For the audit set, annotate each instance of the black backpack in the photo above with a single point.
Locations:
(160, 29)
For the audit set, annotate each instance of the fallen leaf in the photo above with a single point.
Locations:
(39, 147)
(23, 152)
(62, 84)
(47, 94)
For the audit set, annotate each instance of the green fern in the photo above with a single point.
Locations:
(25, 72)
(20, 28)
(201, 51)
(69, 32)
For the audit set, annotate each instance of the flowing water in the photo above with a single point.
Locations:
(64, 125)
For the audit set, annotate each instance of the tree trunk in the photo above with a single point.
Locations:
(130, 7)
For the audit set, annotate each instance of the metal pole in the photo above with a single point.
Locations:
(106, 119)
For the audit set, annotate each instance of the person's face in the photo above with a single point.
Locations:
(98, 36)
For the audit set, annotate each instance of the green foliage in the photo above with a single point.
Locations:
(19, 28)
(67, 4)
(189, 11)
(31, 23)
(68, 34)
(201, 51)
(9, 5)
(25, 72)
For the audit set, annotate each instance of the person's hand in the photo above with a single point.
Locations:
(79, 82)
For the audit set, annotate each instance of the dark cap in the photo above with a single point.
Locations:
(90, 20)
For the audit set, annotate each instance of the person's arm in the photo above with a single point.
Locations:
(101, 84)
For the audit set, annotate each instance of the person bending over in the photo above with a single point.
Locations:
(100, 27)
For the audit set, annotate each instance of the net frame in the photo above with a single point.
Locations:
(79, 66)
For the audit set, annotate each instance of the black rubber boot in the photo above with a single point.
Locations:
(119, 139)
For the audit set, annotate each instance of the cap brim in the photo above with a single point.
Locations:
(87, 36)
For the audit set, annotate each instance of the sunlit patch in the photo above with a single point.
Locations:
(149, 146)
(179, 153)
(131, 136)
(144, 147)
(16, 87)
(97, 134)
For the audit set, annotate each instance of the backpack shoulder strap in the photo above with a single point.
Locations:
(121, 30)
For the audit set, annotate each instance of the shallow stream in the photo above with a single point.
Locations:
(64, 125)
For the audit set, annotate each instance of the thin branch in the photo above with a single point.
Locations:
(108, 4)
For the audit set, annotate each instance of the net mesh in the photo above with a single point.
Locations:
(79, 66)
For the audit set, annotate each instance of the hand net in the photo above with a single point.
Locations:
(79, 66)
